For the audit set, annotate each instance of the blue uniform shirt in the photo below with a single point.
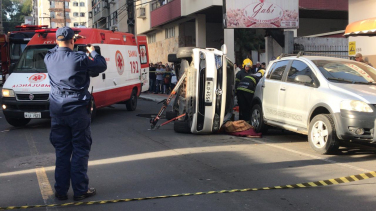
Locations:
(69, 74)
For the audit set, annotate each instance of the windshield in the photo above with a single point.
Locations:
(16, 50)
(32, 59)
(346, 71)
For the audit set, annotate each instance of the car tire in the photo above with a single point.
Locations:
(322, 135)
(171, 114)
(132, 103)
(17, 122)
(257, 119)
(182, 126)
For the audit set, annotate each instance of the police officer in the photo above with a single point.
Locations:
(70, 104)
(245, 91)
(247, 64)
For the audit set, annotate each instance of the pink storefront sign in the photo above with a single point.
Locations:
(261, 13)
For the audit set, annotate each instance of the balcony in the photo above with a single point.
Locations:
(59, 10)
(59, 20)
(101, 14)
(165, 13)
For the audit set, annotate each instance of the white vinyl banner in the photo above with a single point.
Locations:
(261, 14)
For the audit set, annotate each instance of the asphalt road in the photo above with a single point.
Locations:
(128, 161)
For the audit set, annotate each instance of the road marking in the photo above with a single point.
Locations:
(321, 183)
(44, 183)
(308, 155)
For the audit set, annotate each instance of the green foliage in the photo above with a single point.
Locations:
(14, 12)
(247, 40)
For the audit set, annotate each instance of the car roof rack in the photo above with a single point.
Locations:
(304, 53)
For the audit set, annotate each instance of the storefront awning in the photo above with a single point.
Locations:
(362, 28)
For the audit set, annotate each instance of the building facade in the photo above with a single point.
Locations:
(59, 13)
(110, 14)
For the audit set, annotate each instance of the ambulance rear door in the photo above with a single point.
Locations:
(144, 60)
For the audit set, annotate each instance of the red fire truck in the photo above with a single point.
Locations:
(12, 45)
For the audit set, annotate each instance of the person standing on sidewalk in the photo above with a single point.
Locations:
(167, 80)
(70, 106)
(152, 78)
(159, 78)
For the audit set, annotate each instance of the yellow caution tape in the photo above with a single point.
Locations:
(335, 181)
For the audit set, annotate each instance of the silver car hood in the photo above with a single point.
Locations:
(366, 93)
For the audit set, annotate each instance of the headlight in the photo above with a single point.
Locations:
(355, 105)
(8, 93)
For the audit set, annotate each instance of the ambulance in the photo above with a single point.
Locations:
(25, 94)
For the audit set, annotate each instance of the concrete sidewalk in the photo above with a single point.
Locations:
(153, 97)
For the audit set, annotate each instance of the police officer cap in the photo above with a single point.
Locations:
(64, 33)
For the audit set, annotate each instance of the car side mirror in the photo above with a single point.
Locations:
(305, 79)
(11, 67)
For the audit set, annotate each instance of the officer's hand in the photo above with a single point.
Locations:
(90, 49)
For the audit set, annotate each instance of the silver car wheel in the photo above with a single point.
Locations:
(319, 134)
(255, 120)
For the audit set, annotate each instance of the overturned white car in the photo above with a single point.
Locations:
(207, 94)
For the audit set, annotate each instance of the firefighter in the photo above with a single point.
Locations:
(247, 65)
(245, 90)
(70, 105)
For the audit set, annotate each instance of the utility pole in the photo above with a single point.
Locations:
(130, 21)
(1, 15)
(65, 19)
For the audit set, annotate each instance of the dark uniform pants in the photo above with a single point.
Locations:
(244, 102)
(70, 135)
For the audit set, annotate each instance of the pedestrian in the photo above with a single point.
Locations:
(359, 58)
(159, 79)
(263, 66)
(256, 68)
(247, 64)
(245, 91)
(236, 68)
(152, 78)
(70, 108)
(174, 80)
(167, 80)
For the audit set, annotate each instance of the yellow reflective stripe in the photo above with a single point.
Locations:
(251, 78)
(245, 90)
(237, 79)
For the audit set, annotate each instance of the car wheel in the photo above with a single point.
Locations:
(182, 126)
(132, 103)
(17, 122)
(322, 134)
(171, 114)
(257, 119)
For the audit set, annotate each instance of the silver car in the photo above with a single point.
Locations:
(328, 99)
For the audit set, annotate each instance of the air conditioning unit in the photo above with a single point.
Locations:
(112, 1)
(105, 5)
(141, 13)
(90, 14)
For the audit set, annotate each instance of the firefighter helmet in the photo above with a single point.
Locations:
(247, 62)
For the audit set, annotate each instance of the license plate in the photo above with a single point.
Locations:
(32, 115)
(208, 92)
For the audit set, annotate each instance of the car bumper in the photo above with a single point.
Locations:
(348, 122)
(16, 109)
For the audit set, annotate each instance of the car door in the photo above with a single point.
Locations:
(271, 90)
(296, 93)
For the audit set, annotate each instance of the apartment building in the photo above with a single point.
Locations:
(170, 24)
(59, 13)
(110, 14)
